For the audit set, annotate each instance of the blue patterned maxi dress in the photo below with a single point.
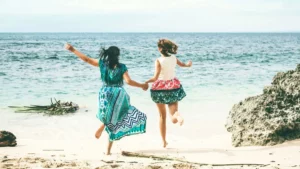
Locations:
(120, 118)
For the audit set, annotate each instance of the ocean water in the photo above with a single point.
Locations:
(227, 67)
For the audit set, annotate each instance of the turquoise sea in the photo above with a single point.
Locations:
(227, 67)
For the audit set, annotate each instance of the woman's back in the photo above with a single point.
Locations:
(112, 77)
(168, 65)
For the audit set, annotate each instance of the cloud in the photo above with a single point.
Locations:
(149, 15)
(70, 7)
(94, 6)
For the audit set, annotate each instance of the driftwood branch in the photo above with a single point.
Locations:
(140, 155)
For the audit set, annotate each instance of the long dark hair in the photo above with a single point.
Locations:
(168, 47)
(110, 56)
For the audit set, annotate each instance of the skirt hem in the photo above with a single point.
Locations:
(167, 96)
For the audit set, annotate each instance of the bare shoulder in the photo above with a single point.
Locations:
(157, 60)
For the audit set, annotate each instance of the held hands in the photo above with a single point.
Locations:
(189, 63)
(69, 47)
(145, 86)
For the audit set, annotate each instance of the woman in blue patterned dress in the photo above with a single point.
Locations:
(115, 113)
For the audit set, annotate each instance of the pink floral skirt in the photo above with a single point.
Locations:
(167, 91)
(166, 84)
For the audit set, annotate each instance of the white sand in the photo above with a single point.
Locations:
(64, 138)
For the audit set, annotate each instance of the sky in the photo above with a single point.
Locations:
(149, 15)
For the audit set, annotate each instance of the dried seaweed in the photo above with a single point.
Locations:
(55, 108)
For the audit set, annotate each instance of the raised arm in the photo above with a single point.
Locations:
(181, 64)
(133, 83)
(156, 74)
(82, 56)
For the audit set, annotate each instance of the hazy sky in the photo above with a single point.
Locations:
(149, 15)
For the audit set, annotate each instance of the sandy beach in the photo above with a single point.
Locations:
(58, 142)
(82, 154)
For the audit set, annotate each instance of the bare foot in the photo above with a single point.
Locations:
(165, 144)
(179, 118)
(98, 133)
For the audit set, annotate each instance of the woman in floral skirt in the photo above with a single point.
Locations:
(166, 89)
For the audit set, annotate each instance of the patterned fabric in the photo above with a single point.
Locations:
(167, 96)
(112, 77)
(120, 118)
(166, 84)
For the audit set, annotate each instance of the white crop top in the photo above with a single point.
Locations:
(168, 65)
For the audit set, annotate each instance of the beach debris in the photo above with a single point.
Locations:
(42, 162)
(108, 162)
(39, 162)
(132, 154)
(141, 155)
(53, 150)
(270, 118)
(114, 166)
(120, 161)
(155, 167)
(7, 139)
(182, 165)
(55, 108)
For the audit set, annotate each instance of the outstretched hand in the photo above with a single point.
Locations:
(69, 47)
(145, 86)
(189, 63)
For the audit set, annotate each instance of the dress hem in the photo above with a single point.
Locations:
(137, 130)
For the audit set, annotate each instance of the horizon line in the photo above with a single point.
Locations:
(167, 32)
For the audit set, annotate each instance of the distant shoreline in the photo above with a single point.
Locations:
(283, 32)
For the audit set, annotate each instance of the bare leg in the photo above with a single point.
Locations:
(162, 122)
(110, 143)
(175, 116)
(179, 118)
(99, 131)
(173, 108)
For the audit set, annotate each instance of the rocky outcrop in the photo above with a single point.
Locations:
(270, 118)
(7, 139)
